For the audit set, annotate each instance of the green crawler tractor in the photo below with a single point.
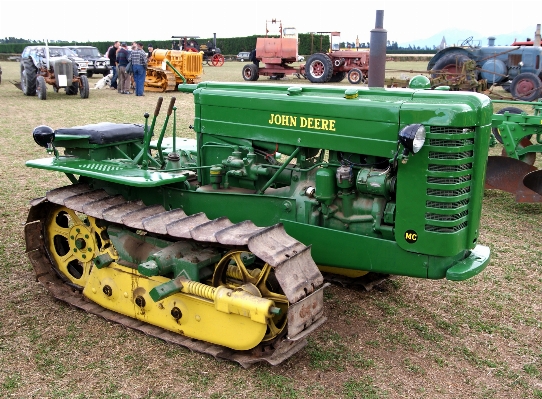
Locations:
(221, 243)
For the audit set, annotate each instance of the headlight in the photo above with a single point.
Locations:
(412, 137)
(43, 135)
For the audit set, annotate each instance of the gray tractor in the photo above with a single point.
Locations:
(518, 69)
(53, 65)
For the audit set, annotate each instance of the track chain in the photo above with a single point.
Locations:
(295, 270)
(159, 80)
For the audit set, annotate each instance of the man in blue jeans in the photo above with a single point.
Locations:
(139, 67)
(112, 55)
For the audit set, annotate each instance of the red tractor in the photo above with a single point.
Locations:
(337, 64)
(278, 54)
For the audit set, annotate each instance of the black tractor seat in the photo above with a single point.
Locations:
(105, 132)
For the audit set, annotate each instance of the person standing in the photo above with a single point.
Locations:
(139, 66)
(112, 55)
(150, 49)
(124, 77)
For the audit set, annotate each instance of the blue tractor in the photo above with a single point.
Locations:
(518, 69)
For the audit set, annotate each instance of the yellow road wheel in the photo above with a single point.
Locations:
(236, 270)
(73, 240)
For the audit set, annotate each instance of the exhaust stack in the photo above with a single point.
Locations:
(377, 52)
(537, 36)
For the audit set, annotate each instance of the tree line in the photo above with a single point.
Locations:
(308, 44)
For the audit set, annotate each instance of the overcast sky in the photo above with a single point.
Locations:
(129, 20)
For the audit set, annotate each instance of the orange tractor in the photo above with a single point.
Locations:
(279, 53)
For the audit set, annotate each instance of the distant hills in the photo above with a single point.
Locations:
(454, 36)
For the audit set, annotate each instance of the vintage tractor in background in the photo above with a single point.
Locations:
(518, 69)
(211, 53)
(55, 66)
(279, 53)
(335, 65)
(166, 69)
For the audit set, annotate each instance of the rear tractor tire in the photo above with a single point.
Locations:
(319, 68)
(41, 88)
(337, 77)
(251, 72)
(450, 66)
(28, 77)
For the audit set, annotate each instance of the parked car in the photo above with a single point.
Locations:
(58, 51)
(97, 64)
(243, 56)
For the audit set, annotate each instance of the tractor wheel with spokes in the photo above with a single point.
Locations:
(319, 68)
(241, 270)
(355, 76)
(72, 241)
(526, 87)
(250, 72)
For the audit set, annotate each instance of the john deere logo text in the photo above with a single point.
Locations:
(309, 123)
(411, 236)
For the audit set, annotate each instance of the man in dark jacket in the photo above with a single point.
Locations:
(124, 77)
(112, 55)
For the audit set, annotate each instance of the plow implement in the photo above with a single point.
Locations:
(520, 134)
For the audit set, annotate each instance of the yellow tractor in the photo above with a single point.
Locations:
(166, 69)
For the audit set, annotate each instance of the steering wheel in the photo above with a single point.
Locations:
(467, 42)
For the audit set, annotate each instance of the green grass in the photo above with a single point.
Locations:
(408, 338)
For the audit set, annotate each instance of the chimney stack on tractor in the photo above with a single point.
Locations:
(377, 52)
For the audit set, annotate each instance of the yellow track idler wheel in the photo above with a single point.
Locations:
(73, 240)
(233, 272)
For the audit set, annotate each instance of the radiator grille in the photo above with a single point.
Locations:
(452, 229)
(192, 64)
(448, 193)
(449, 164)
(448, 180)
(446, 218)
(450, 168)
(446, 205)
(458, 155)
(450, 143)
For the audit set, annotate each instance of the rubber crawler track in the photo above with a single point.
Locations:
(288, 256)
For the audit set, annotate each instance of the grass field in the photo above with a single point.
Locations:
(409, 338)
